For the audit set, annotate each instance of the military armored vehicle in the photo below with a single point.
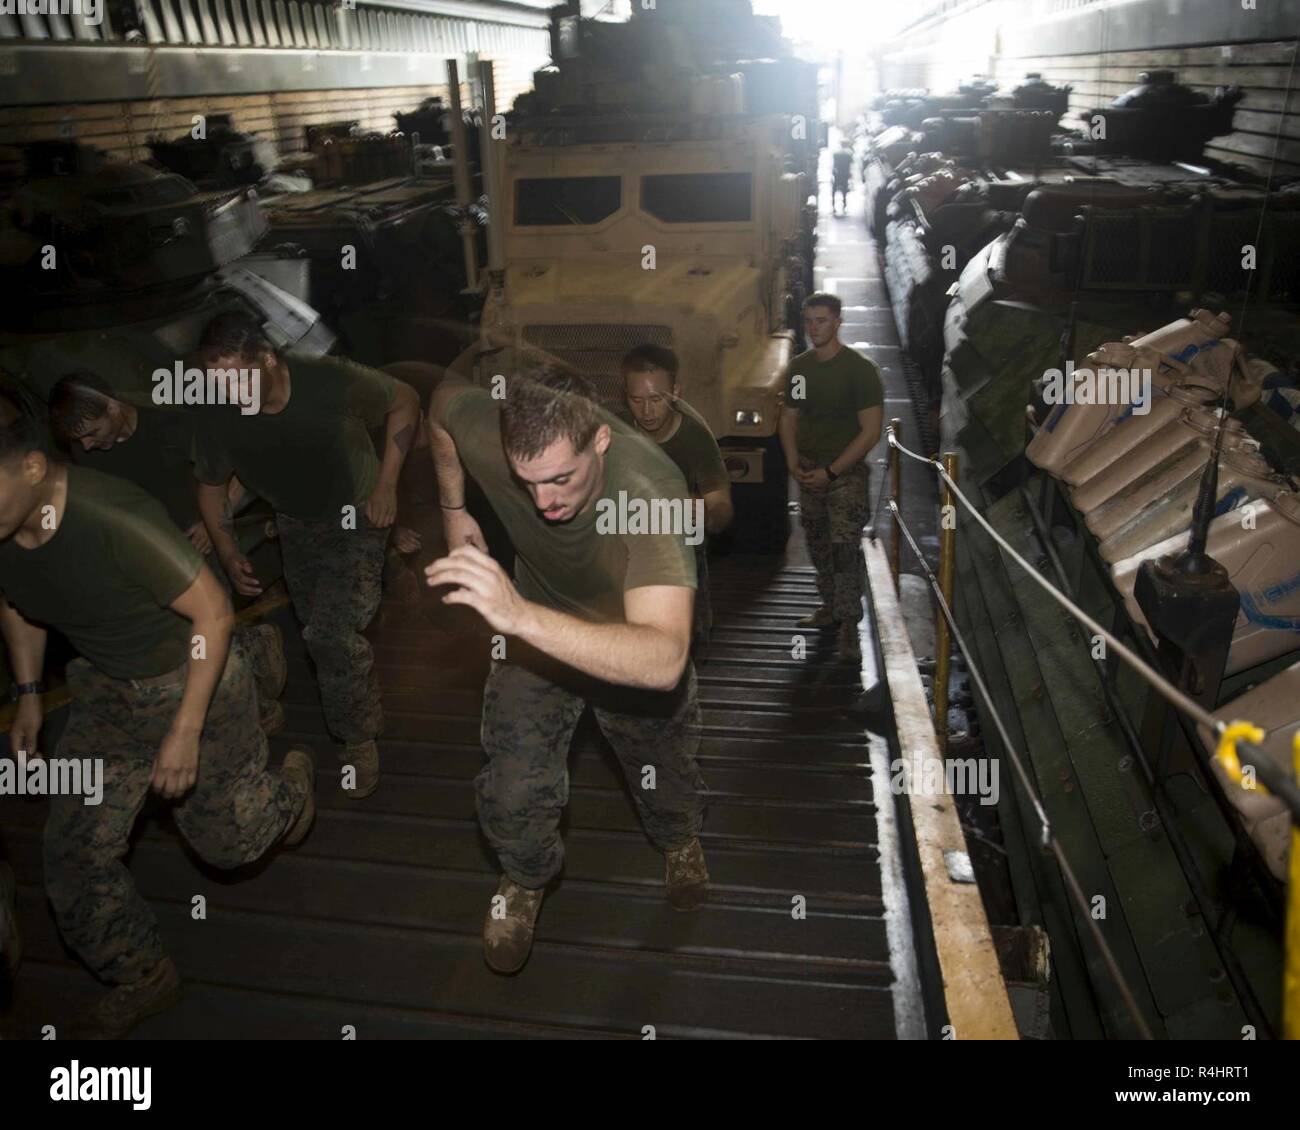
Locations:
(115, 268)
(653, 189)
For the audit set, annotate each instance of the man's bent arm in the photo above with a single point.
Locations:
(446, 459)
(786, 428)
(26, 644)
(207, 607)
(649, 651)
(218, 516)
(403, 423)
(869, 423)
(718, 510)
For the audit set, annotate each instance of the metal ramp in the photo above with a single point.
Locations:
(375, 920)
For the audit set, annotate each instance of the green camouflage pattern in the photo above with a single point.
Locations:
(531, 707)
(702, 618)
(335, 581)
(832, 524)
(234, 813)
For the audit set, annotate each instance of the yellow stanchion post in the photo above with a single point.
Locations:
(947, 576)
(1291, 978)
(896, 492)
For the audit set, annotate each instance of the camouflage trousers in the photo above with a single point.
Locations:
(832, 524)
(530, 711)
(234, 813)
(702, 622)
(335, 580)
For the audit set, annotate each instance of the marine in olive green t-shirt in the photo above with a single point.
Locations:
(315, 455)
(156, 457)
(695, 451)
(828, 400)
(107, 577)
(572, 566)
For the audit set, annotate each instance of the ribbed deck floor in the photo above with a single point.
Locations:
(375, 920)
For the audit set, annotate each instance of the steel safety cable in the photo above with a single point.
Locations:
(1159, 682)
(1049, 839)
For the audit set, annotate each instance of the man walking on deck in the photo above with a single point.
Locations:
(158, 702)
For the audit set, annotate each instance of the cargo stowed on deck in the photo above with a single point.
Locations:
(1044, 270)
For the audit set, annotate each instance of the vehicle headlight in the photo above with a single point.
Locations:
(749, 417)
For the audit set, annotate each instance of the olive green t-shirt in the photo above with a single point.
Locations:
(106, 578)
(696, 453)
(576, 566)
(313, 457)
(156, 458)
(833, 393)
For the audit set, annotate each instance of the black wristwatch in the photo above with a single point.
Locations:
(17, 690)
(831, 475)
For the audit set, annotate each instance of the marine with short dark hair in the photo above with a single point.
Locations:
(830, 420)
(308, 452)
(153, 447)
(654, 399)
(157, 698)
(594, 616)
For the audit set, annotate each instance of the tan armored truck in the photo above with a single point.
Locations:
(653, 189)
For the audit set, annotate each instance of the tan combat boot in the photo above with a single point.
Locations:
(847, 647)
(508, 928)
(686, 876)
(364, 758)
(298, 768)
(11, 942)
(122, 1008)
(822, 618)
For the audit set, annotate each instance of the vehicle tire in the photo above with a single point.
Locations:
(762, 521)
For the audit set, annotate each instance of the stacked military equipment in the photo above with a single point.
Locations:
(1082, 256)
(382, 261)
(216, 155)
(360, 158)
(114, 241)
(1163, 120)
(116, 268)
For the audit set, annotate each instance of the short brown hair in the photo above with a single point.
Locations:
(822, 298)
(533, 417)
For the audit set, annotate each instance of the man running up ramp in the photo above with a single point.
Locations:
(599, 613)
(158, 701)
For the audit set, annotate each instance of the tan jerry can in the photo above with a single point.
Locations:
(1259, 545)
(1071, 428)
(1193, 426)
(1164, 509)
(1274, 705)
(1129, 432)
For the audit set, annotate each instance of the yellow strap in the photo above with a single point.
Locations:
(1227, 750)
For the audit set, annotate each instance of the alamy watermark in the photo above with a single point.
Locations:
(1099, 386)
(54, 776)
(179, 385)
(681, 517)
(957, 776)
(90, 11)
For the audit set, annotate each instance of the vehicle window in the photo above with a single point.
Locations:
(698, 198)
(553, 201)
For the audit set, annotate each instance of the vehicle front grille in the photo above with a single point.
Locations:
(596, 350)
